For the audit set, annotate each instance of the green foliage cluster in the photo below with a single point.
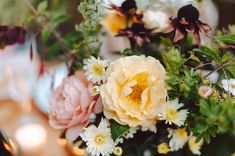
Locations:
(216, 116)
(89, 30)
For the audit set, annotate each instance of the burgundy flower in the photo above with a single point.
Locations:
(128, 8)
(12, 35)
(137, 32)
(186, 21)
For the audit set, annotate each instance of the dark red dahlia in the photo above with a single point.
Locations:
(12, 35)
(128, 8)
(186, 21)
(137, 32)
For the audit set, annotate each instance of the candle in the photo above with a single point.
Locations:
(31, 137)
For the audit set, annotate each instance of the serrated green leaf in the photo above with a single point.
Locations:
(118, 130)
(210, 53)
(42, 6)
(230, 38)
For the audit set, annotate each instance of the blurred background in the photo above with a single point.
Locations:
(24, 95)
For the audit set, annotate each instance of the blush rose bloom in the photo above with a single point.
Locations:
(71, 106)
(134, 91)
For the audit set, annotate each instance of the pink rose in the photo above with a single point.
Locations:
(71, 106)
(205, 91)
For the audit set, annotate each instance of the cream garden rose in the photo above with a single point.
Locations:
(134, 91)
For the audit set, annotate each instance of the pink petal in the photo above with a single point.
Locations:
(178, 35)
(74, 132)
(85, 99)
(56, 125)
(98, 108)
(197, 38)
(169, 29)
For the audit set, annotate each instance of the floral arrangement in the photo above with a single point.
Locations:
(172, 91)
(157, 97)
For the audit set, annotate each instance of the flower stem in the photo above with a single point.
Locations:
(56, 34)
(220, 66)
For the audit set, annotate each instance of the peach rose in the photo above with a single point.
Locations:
(135, 91)
(71, 106)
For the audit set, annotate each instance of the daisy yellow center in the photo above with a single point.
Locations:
(171, 114)
(163, 148)
(97, 69)
(100, 139)
(232, 86)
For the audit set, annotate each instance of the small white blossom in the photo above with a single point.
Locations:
(229, 86)
(98, 139)
(95, 69)
(178, 138)
(171, 113)
(195, 146)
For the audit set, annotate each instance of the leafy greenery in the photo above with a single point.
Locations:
(229, 38)
(215, 118)
(89, 29)
(118, 130)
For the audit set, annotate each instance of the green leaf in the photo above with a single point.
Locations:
(226, 56)
(230, 38)
(118, 130)
(42, 6)
(53, 51)
(231, 69)
(210, 53)
(45, 34)
(166, 42)
(60, 19)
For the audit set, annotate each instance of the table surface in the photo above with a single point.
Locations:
(10, 111)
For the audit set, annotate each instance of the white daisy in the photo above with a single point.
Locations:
(171, 113)
(229, 86)
(98, 139)
(195, 146)
(178, 138)
(95, 69)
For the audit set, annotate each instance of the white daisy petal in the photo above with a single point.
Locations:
(178, 138)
